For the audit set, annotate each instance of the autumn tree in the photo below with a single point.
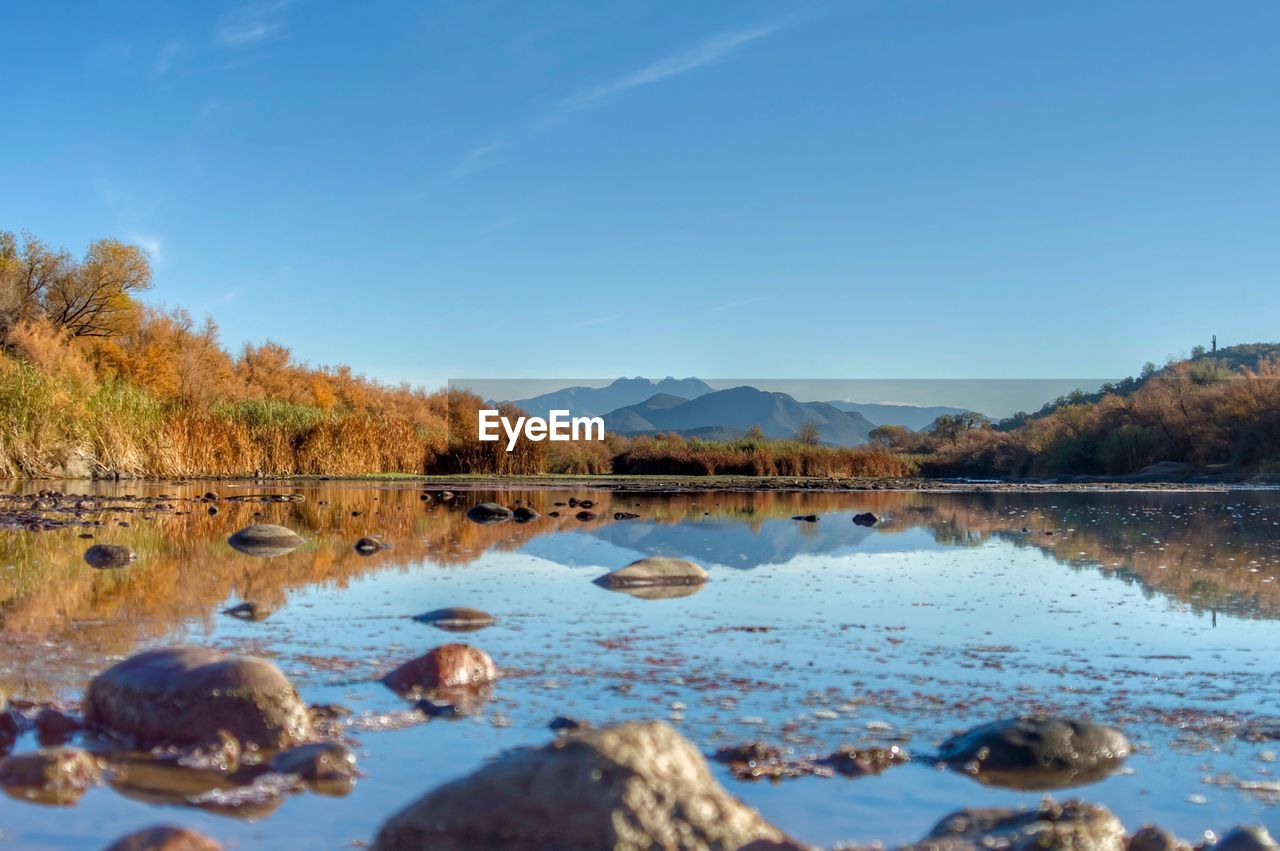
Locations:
(95, 298)
(809, 433)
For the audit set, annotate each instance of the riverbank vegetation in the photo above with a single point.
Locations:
(95, 382)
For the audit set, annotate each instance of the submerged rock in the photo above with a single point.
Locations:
(1037, 753)
(524, 514)
(187, 695)
(54, 725)
(265, 540)
(52, 776)
(487, 513)
(109, 556)
(449, 666)
(1249, 838)
(250, 610)
(654, 571)
(807, 518)
(637, 785)
(318, 762)
(585, 516)
(1152, 838)
(457, 619)
(1069, 826)
(866, 518)
(369, 546)
(164, 838)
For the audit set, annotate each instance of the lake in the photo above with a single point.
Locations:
(1153, 611)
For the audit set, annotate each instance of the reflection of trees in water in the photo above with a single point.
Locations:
(1210, 551)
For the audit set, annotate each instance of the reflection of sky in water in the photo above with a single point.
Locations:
(866, 627)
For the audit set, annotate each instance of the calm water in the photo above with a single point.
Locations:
(1156, 612)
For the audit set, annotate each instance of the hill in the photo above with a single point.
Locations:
(741, 408)
(911, 416)
(597, 401)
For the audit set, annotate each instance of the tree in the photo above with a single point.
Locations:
(889, 435)
(27, 271)
(809, 433)
(95, 297)
(949, 427)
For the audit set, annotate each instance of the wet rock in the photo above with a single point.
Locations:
(585, 516)
(654, 571)
(109, 556)
(52, 776)
(212, 511)
(625, 515)
(866, 518)
(553, 513)
(369, 546)
(265, 540)
(186, 695)
(164, 838)
(8, 727)
(560, 722)
(444, 496)
(457, 619)
(1069, 826)
(1248, 838)
(424, 497)
(250, 610)
(1037, 753)
(210, 496)
(1151, 838)
(524, 514)
(756, 760)
(638, 785)
(585, 503)
(53, 725)
(487, 513)
(807, 518)
(449, 666)
(318, 762)
(573, 502)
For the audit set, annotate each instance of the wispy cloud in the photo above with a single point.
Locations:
(150, 244)
(251, 24)
(715, 49)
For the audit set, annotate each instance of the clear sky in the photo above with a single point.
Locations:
(838, 189)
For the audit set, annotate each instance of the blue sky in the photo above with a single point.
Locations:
(860, 189)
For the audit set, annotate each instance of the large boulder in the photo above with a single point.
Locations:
(1037, 753)
(1069, 826)
(1248, 838)
(265, 540)
(654, 571)
(633, 786)
(185, 695)
(449, 666)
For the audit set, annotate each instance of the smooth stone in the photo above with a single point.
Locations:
(524, 514)
(1037, 753)
(652, 571)
(807, 518)
(109, 556)
(164, 838)
(1069, 826)
(55, 725)
(448, 666)
(1152, 838)
(265, 540)
(632, 786)
(457, 619)
(317, 762)
(488, 512)
(1247, 838)
(866, 518)
(369, 546)
(187, 695)
(585, 516)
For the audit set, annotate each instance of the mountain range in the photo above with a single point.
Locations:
(693, 408)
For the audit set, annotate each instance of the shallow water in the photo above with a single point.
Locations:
(1153, 611)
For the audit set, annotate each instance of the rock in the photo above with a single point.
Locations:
(457, 619)
(807, 518)
(487, 513)
(524, 514)
(444, 496)
(164, 838)
(448, 666)
(8, 727)
(317, 762)
(1248, 838)
(1037, 753)
(212, 511)
(573, 502)
(585, 516)
(51, 776)
(186, 695)
(250, 610)
(633, 786)
(109, 556)
(1070, 826)
(585, 503)
(369, 546)
(654, 571)
(560, 722)
(625, 515)
(1151, 838)
(54, 725)
(553, 513)
(265, 540)
(866, 518)
(210, 496)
